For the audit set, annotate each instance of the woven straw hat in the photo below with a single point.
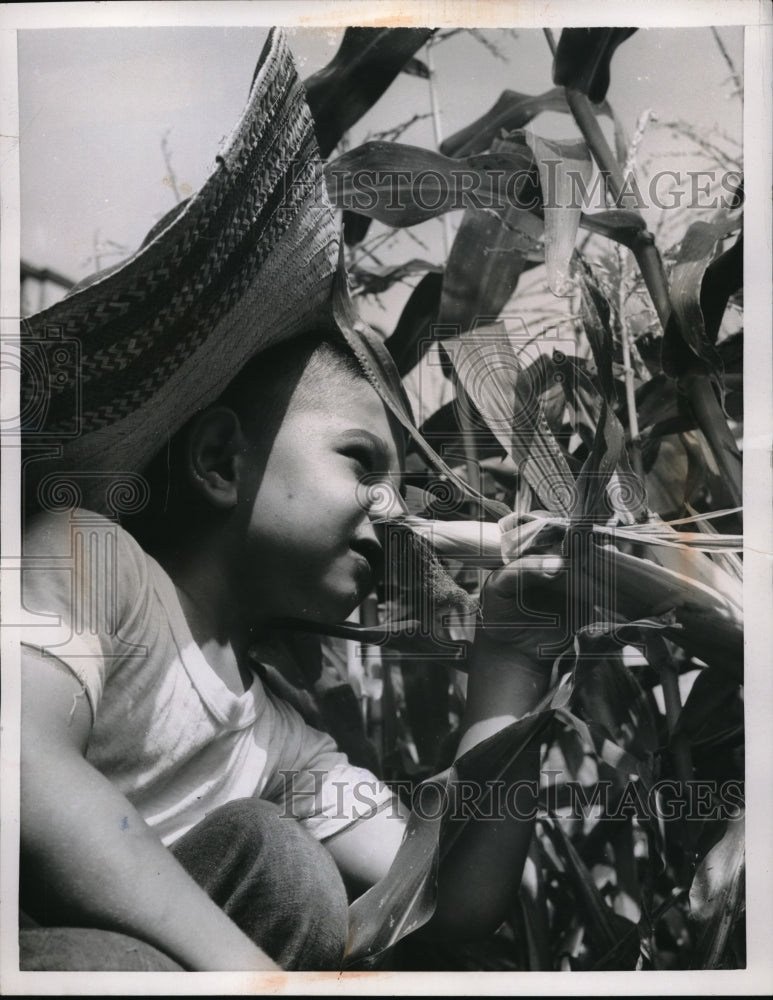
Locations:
(115, 369)
(246, 262)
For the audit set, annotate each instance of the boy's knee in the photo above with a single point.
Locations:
(312, 893)
(273, 879)
(81, 949)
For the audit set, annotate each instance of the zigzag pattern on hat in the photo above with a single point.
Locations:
(180, 315)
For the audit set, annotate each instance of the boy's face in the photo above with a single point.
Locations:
(311, 550)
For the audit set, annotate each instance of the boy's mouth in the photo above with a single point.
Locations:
(372, 553)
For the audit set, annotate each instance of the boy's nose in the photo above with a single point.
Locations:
(380, 499)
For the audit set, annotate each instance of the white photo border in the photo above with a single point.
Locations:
(757, 17)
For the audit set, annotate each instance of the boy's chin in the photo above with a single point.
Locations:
(334, 607)
(336, 611)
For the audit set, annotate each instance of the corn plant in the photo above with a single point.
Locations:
(619, 454)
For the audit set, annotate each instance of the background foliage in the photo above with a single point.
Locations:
(618, 439)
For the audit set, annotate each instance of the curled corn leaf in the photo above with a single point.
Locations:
(561, 164)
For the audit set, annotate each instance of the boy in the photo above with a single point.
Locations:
(175, 814)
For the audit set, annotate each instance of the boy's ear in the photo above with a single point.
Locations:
(215, 442)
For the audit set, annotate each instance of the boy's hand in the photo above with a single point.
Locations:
(525, 605)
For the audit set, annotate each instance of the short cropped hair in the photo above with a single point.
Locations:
(311, 369)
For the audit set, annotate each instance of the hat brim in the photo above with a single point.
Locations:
(247, 262)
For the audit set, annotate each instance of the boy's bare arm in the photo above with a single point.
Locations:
(95, 851)
(479, 878)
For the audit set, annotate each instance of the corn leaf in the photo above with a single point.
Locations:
(366, 63)
(403, 185)
(404, 899)
(510, 112)
(688, 351)
(609, 696)
(484, 265)
(373, 355)
(591, 502)
(706, 622)
(583, 56)
(596, 316)
(411, 336)
(661, 409)
(711, 696)
(699, 388)
(717, 896)
(560, 164)
(723, 555)
(597, 742)
(686, 325)
(607, 484)
(534, 905)
(355, 227)
(618, 224)
(443, 426)
(415, 67)
(615, 938)
(406, 636)
(679, 468)
(723, 278)
(374, 280)
(491, 375)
